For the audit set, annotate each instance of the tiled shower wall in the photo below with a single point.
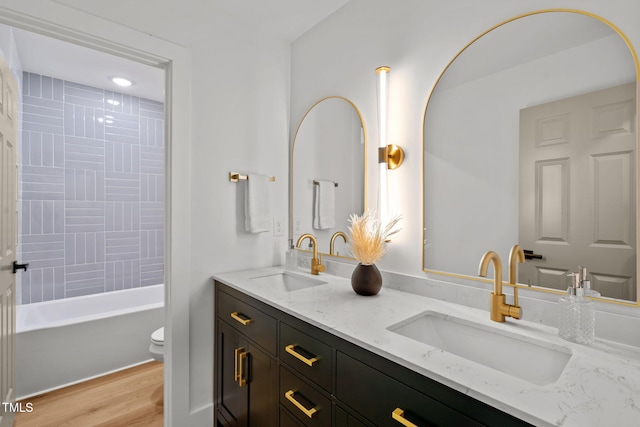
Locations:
(91, 190)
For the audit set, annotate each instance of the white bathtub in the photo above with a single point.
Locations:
(63, 342)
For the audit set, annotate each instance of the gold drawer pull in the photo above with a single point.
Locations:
(291, 350)
(398, 415)
(308, 412)
(236, 316)
(238, 360)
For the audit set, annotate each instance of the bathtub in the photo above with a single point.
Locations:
(63, 342)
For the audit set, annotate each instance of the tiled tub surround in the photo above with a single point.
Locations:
(91, 177)
(599, 386)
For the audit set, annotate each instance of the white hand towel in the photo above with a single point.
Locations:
(257, 216)
(324, 209)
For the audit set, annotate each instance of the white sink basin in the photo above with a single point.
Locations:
(287, 281)
(534, 361)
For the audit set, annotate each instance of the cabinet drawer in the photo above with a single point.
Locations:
(306, 403)
(306, 355)
(251, 322)
(377, 396)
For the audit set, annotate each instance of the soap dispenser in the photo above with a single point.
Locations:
(586, 283)
(577, 316)
(291, 257)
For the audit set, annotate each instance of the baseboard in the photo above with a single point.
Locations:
(201, 417)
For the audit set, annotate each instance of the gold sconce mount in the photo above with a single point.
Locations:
(392, 155)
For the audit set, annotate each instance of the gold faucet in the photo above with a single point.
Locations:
(333, 240)
(515, 256)
(499, 309)
(316, 261)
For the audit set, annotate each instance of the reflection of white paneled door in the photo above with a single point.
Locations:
(577, 190)
(8, 238)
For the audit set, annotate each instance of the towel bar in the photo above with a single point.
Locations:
(236, 177)
(335, 184)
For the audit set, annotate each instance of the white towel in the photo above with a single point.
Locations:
(257, 216)
(324, 205)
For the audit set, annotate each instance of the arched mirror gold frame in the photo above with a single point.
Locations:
(453, 272)
(334, 133)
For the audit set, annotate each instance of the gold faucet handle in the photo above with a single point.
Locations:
(316, 265)
(513, 311)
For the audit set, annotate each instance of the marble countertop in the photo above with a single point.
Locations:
(600, 386)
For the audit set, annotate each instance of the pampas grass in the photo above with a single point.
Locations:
(368, 237)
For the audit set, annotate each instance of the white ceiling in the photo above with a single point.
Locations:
(183, 22)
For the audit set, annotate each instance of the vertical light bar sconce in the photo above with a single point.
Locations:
(389, 156)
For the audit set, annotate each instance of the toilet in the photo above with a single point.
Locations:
(156, 348)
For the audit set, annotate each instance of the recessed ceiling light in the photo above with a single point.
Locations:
(113, 101)
(121, 81)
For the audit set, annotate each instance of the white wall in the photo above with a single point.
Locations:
(417, 39)
(240, 119)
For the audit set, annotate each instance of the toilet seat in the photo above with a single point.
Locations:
(157, 337)
(156, 347)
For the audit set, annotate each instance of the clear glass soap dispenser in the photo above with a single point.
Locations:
(577, 315)
(291, 257)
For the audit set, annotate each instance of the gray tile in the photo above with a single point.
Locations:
(83, 228)
(36, 264)
(42, 255)
(45, 103)
(95, 276)
(30, 119)
(42, 187)
(47, 87)
(78, 119)
(46, 128)
(73, 85)
(48, 284)
(48, 217)
(40, 238)
(42, 196)
(69, 120)
(42, 178)
(35, 85)
(47, 150)
(58, 90)
(104, 189)
(85, 92)
(37, 111)
(38, 247)
(122, 138)
(84, 102)
(25, 84)
(35, 285)
(92, 290)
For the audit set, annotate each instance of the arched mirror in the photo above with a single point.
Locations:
(530, 138)
(327, 172)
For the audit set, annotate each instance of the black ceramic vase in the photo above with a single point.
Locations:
(366, 279)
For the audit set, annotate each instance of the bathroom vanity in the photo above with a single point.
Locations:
(293, 349)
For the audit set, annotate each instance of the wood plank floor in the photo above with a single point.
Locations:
(133, 397)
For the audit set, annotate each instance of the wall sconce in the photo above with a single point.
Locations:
(389, 156)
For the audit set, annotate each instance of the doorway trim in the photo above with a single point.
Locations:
(64, 23)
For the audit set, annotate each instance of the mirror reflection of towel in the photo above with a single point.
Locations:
(324, 205)
(257, 216)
